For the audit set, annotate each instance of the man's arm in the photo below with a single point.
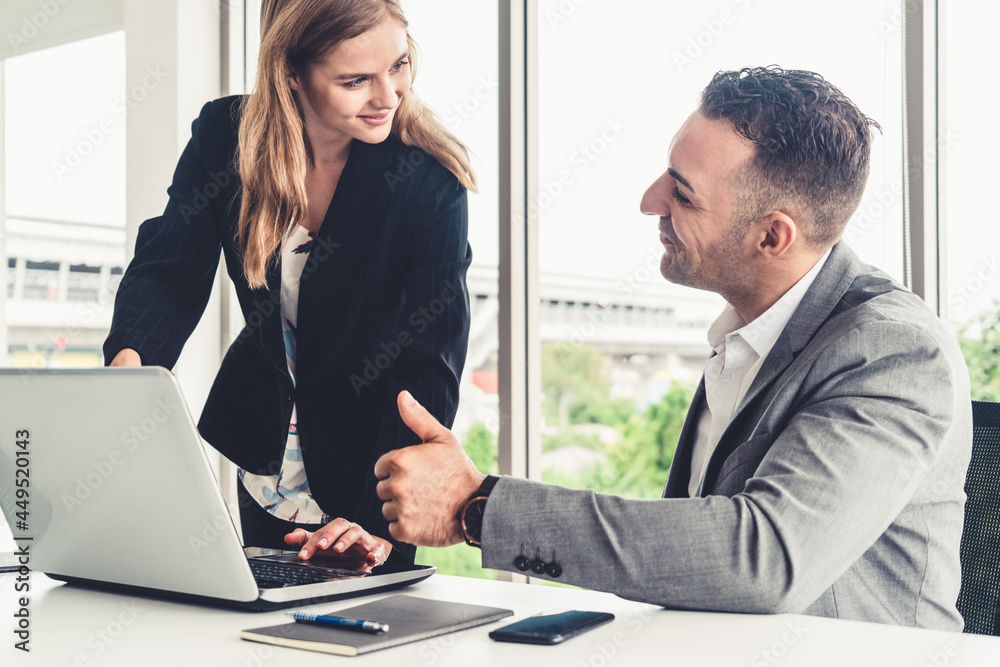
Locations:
(424, 487)
(848, 461)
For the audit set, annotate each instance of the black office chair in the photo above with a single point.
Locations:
(979, 599)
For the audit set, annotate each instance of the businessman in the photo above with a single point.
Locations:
(821, 466)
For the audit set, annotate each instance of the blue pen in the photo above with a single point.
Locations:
(349, 623)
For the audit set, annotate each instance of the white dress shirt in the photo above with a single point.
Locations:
(740, 350)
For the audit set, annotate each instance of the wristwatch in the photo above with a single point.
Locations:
(470, 518)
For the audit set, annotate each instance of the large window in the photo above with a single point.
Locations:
(622, 349)
(64, 117)
(458, 77)
(969, 144)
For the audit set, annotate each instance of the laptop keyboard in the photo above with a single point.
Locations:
(280, 575)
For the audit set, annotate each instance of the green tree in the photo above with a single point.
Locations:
(577, 387)
(481, 446)
(461, 559)
(642, 458)
(980, 343)
(458, 559)
(638, 463)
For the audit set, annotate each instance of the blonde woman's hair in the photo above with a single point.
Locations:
(274, 152)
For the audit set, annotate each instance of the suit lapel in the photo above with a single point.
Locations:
(680, 466)
(356, 214)
(832, 282)
(267, 305)
(819, 301)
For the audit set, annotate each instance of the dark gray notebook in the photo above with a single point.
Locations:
(409, 618)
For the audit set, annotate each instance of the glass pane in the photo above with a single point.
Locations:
(971, 283)
(622, 348)
(64, 115)
(458, 78)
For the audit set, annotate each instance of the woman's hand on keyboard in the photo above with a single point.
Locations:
(340, 537)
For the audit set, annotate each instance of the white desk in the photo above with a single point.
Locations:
(76, 626)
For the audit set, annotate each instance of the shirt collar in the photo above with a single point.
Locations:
(763, 332)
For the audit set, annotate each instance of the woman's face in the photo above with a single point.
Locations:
(353, 91)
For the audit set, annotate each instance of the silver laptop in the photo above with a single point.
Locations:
(120, 494)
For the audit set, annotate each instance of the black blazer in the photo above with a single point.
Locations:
(383, 306)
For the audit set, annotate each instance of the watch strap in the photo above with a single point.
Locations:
(480, 496)
(487, 486)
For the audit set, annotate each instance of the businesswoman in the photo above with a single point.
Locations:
(340, 206)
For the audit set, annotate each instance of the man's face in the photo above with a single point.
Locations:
(694, 200)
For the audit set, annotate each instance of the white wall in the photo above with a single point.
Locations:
(31, 25)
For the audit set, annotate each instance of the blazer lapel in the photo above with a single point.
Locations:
(832, 282)
(822, 297)
(356, 214)
(680, 466)
(267, 304)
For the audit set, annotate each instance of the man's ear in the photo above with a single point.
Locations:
(777, 232)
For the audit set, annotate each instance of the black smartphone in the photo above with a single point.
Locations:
(551, 628)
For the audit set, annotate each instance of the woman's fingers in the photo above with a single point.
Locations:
(297, 537)
(340, 536)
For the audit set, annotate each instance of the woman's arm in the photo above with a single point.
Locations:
(167, 285)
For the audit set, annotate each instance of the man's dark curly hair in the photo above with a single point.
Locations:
(812, 147)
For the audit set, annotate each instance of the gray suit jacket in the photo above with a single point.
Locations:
(837, 490)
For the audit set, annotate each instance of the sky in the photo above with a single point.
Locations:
(616, 79)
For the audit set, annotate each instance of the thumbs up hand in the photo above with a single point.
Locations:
(425, 486)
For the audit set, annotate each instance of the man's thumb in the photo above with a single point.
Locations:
(420, 420)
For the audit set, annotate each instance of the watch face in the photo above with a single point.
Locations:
(472, 521)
